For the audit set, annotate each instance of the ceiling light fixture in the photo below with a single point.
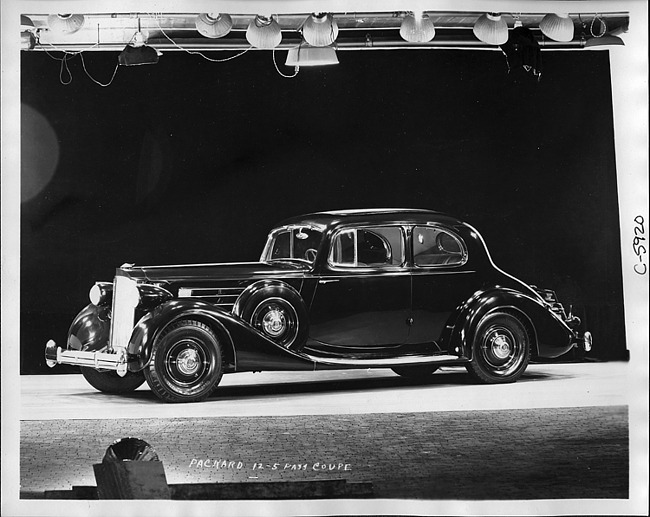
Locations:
(557, 26)
(264, 32)
(213, 25)
(26, 23)
(27, 33)
(320, 29)
(137, 52)
(604, 41)
(491, 28)
(27, 40)
(65, 23)
(417, 28)
(306, 55)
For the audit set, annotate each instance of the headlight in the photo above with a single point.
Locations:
(100, 293)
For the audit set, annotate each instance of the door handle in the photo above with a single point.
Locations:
(328, 281)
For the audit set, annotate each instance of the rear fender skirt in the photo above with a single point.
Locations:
(247, 349)
(551, 337)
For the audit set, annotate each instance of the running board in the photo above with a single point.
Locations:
(387, 363)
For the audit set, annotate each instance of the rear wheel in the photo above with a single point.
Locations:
(186, 363)
(415, 372)
(111, 382)
(501, 349)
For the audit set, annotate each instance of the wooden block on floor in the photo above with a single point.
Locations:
(131, 480)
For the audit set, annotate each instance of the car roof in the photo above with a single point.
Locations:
(334, 218)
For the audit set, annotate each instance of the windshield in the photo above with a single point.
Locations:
(292, 243)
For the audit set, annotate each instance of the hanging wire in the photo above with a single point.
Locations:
(602, 24)
(67, 55)
(54, 47)
(194, 52)
(64, 66)
(601, 21)
(297, 69)
(83, 64)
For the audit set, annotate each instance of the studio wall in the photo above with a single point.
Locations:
(192, 161)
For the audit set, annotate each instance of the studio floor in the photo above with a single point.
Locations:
(561, 432)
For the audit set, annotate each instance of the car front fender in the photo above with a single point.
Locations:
(245, 348)
(150, 326)
(90, 330)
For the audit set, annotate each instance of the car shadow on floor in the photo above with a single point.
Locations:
(288, 387)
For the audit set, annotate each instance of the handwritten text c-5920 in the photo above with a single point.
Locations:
(639, 245)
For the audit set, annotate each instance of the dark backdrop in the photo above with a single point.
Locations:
(192, 161)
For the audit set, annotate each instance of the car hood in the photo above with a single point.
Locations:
(233, 270)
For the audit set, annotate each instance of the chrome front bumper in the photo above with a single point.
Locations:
(99, 360)
(125, 298)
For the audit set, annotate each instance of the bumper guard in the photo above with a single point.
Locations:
(115, 361)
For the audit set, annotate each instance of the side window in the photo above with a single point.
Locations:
(436, 247)
(368, 247)
(344, 249)
(282, 245)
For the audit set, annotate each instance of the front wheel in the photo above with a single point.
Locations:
(501, 349)
(186, 363)
(111, 382)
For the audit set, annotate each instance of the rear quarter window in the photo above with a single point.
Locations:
(433, 246)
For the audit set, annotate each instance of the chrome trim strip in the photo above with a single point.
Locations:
(214, 292)
(213, 288)
(192, 293)
(198, 295)
(401, 361)
(197, 265)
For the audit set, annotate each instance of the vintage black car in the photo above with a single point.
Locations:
(410, 290)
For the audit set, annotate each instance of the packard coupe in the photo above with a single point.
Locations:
(410, 290)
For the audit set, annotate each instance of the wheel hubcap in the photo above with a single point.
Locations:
(502, 351)
(501, 347)
(277, 320)
(188, 361)
(274, 322)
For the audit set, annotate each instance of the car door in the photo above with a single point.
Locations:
(363, 295)
(441, 282)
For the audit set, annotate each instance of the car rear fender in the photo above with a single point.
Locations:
(152, 324)
(550, 337)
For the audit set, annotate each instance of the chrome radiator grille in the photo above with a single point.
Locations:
(125, 299)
